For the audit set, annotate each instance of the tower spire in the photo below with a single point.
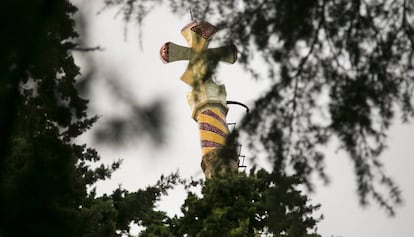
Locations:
(207, 99)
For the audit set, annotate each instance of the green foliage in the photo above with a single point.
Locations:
(230, 205)
(44, 176)
(245, 205)
(340, 70)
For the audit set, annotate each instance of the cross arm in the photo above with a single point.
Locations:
(171, 52)
(226, 54)
(202, 65)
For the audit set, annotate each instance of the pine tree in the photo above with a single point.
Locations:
(257, 204)
(44, 176)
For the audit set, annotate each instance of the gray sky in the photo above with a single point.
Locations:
(147, 78)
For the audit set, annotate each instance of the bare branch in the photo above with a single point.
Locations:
(88, 49)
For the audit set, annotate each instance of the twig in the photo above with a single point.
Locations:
(88, 49)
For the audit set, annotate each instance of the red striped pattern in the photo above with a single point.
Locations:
(214, 115)
(205, 143)
(211, 128)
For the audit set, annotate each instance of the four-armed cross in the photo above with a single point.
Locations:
(202, 60)
(207, 99)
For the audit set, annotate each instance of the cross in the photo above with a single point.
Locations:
(202, 60)
(207, 99)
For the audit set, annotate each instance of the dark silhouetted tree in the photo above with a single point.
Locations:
(44, 175)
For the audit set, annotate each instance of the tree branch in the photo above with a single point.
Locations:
(88, 49)
(300, 70)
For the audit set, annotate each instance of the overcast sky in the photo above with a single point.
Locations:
(141, 71)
